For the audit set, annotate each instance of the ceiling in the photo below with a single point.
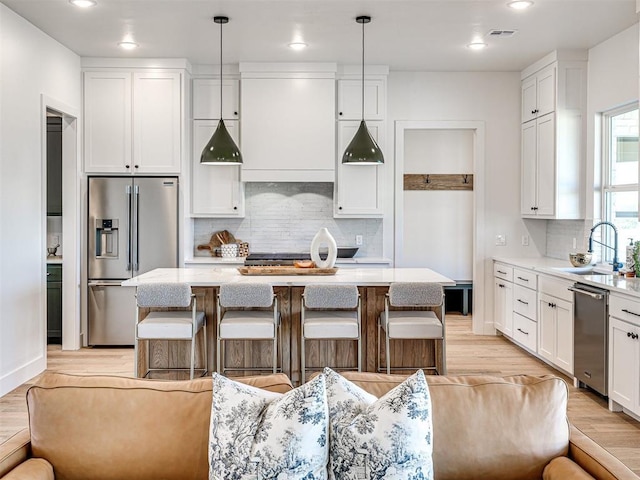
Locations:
(428, 35)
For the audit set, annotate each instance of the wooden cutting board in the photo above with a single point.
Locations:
(285, 270)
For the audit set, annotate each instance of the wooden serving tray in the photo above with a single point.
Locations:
(285, 270)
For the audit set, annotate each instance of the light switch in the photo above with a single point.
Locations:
(501, 240)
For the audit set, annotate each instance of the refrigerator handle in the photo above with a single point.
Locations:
(129, 226)
(136, 219)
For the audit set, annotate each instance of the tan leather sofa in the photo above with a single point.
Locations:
(114, 428)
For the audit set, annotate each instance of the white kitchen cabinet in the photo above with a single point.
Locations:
(555, 331)
(206, 99)
(358, 189)
(624, 354)
(288, 122)
(216, 190)
(553, 136)
(107, 122)
(132, 122)
(538, 167)
(350, 99)
(539, 93)
(503, 298)
(525, 332)
(555, 322)
(503, 306)
(524, 307)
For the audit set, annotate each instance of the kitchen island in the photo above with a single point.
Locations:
(372, 284)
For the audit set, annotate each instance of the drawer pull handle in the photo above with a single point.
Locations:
(523, 302)
(522, 331)
(630, 312)
(501, 285)
(523, 279)
(503, 273)
(632, 335)
(552, 305)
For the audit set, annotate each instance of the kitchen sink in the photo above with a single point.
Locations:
(587, 270)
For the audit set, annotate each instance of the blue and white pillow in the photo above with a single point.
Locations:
(386, 438)
(265, 435)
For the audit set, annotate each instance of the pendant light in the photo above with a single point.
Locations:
(363, 149)
(221, 149)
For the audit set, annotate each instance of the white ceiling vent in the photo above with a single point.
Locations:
(501, 33)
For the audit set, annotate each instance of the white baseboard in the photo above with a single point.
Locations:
(22, 374)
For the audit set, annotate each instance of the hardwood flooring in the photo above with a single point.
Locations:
(467, 354)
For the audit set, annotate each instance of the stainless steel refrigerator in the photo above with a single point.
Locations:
(133, 228)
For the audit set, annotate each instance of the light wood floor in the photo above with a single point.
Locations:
(466, 354)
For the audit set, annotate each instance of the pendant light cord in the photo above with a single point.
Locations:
(220, 71)
(363, 71)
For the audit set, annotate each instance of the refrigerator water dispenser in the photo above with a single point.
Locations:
(106, 238)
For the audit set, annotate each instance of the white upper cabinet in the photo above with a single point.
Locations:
(132, 121)
(539, 93)
(206, 99)
(216, 190)
(156, 122)
(358, 188)
(350, 99)
(107, 122)
(288, 122)
(554, 106)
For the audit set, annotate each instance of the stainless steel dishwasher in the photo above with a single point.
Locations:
(591, 324)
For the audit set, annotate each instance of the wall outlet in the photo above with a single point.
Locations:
(358, 240)
(525, 240)
(574, 243)
(501, 240)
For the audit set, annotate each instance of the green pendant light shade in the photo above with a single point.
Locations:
(221, 149)
(363, 149)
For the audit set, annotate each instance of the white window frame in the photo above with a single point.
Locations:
(607, 187)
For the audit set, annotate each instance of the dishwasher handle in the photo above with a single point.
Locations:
(597, 296)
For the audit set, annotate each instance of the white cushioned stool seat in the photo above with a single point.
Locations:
(168, 325)
(247, 324)
(333, 324)
(409, 324)
(329, 312)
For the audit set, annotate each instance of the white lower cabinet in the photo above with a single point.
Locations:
(555, 322)
(503, 309)
(624, 353)
(555, 331)
(525, 332)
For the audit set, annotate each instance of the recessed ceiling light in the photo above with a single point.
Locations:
(520, 4)
(298, 45)
(83, 3)
(128, 45)
(477, 46)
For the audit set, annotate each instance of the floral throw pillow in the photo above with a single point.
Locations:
(256, 434)
(386, 438)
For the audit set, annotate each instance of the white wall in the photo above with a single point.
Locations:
(31, 64)
(612, 82)
(493, 98)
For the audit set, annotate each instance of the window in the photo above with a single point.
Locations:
(620, 179)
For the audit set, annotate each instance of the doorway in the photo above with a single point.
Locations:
(443, 229)
(61, 204)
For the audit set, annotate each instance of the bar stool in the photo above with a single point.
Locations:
(169, 325)
(330, 312)
(413, 324)
(247, 311)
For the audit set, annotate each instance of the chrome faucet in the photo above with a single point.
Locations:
(616, 264)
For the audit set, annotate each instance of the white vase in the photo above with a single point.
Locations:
(324, 237)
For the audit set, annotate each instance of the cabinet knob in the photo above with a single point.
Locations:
(340, 113)
(136, 166)
(339, 208)
(235, 208)
(235, 113)
(127, 166)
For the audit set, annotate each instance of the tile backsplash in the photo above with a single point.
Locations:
(284, 217)
(560, 235)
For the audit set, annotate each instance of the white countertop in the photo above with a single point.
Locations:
(214, 276)
(240, 261)
(613, 283)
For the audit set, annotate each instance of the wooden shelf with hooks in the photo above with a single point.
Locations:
(438, 181)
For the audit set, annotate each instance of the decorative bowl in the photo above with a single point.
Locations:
(580, 259)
